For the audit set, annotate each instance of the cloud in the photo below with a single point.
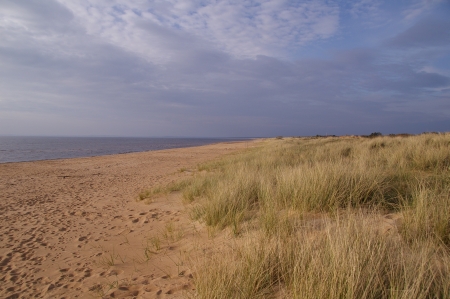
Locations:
(429, 32)
(217, 68)
(419, 8)
(34, 16)
(367, 11)
(239, 28)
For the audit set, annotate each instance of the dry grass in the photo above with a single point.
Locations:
(147, 196)
(347, 258)
(309, 219)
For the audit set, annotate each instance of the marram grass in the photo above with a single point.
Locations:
(309, 219)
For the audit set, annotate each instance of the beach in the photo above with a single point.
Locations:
(73, 228)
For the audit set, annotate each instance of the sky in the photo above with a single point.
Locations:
(223, 68)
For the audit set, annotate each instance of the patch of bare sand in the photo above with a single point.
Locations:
(72, 228)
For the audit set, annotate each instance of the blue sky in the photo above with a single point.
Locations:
(223, 68)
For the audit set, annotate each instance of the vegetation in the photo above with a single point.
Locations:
(148, 195)
(328, 218)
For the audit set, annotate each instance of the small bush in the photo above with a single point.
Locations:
(375, 134)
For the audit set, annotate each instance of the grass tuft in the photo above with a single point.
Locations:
(328, 218)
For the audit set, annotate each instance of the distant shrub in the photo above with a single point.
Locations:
(375, 134)
(404, 135)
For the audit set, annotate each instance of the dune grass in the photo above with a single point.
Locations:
(147, 196)
(312, 218)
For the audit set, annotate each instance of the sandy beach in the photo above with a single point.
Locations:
(73, 228)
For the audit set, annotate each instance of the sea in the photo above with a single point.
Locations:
(20, 149)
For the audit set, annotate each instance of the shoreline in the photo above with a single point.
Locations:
(219, 140)
(72, 227)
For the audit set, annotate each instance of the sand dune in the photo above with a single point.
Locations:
(73, 229)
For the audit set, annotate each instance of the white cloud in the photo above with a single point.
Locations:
(159, 30)
(364, 8)
(170, 66)
(418, 8)
(432, 69)
(369, 13)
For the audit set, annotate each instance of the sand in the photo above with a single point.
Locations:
(72, 228)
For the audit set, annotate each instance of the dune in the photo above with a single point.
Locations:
(72, 228)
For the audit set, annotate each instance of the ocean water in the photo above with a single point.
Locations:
(19, 149)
